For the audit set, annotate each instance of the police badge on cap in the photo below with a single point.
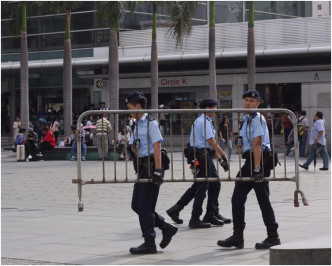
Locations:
(133, 95)
(207, 103)
(251, 94)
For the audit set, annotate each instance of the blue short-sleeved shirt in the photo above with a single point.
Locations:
(258, 128)
(200, 137)
(317, 126)
(154, 135)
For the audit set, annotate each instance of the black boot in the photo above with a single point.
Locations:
(224, 219)
(168, 231)
(271, 240)
(174, 213)
(235, 240)
(197, 223)
(209, 217)
(148, 247)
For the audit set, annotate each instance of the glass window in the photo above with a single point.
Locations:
(291, 8)
(227, 12)
(85, 6)
(102, 37)
(201, 13)
(82, 39)
(33, 25)
(4, 28)
(53, 41)
(53, 24)
(33, 44)
(319, 7)
(82, 21)
(10, 45)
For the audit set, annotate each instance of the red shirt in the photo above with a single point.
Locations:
(287, 122)
(49, 138)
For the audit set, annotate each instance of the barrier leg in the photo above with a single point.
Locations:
(296, 198)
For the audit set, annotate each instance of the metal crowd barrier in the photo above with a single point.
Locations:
(187, 115)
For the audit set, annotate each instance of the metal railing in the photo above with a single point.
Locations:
(187, 116)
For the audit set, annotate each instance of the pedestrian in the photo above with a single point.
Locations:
(253, 135)
(317, 143)
(288, 125)
(225, 136)
(146, 144)
(123, 138)
(204, 131)
(303, 121)
(73, 141)
(55, 129)
(88, 137)
(31, 144)
(16, 128)
(103, 129)
(48, 141)
(90, 122)
(103, 106)
(290, 142)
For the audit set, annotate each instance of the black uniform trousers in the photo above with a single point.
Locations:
(262, 191)
(197, 191)
(144, 200)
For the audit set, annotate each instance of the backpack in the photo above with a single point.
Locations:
(300, 128)
(19, 140)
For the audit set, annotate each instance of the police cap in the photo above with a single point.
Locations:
(207, 103)
(30, 129)
(251, 94)
(133, 95)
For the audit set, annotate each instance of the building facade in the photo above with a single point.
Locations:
(293, 49)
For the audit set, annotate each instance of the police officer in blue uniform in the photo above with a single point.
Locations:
(204, 136)
(255, 136)
(146, 135)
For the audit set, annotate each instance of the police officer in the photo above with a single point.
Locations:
(145, 195)
(204, 135)
(255, 136)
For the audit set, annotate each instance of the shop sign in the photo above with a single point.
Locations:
(173, 82)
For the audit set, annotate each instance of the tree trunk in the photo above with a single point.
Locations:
(24, 76)
(154, 62)
(212, 54)
(67, 88)
(251, 60)
(113, 78)
(212, 64)
(67, 80)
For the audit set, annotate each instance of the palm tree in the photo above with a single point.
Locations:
(251, 62)
(113, 14)
(24, 69)
(212, 53)
(179, 26)
(65, 6)
(19, 11)
(154, 58)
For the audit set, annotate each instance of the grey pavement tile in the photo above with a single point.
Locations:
(59, 257)
(20, 253)
(119, 259)
(43, 211)
(17, 236)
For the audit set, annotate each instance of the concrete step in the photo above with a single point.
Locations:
(310, 252)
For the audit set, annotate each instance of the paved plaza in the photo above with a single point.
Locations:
(40, 223)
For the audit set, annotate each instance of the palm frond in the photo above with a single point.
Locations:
(112, 12)
(180, 23)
